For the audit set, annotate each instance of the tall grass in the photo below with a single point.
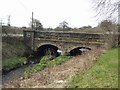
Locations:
(103, 75)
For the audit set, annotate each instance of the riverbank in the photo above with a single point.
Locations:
(13, 63)
(12, 47)
(13, 50)
(57, 76)
(103, 75)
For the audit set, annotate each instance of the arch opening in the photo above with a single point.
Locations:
(44, 50)
(78, 51)
(47, 49)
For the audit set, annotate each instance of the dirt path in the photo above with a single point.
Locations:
(57, 76)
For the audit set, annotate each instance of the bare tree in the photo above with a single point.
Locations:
(107, 9)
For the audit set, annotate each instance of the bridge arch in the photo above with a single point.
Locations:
(48, 49)
(78, 50)
(79, 46)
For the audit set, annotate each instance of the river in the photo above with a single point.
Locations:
(14, 74)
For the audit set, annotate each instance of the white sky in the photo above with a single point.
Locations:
(77, 13)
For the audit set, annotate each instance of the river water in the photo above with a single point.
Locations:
(14, 74)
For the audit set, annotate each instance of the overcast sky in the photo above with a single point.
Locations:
(77, 13)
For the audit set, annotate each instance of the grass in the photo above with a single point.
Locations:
(46, 61)
(13, 62)
(103, 75)
(12, 47)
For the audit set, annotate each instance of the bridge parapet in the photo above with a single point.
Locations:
(69, 36)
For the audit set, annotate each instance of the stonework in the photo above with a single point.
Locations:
(65, 41)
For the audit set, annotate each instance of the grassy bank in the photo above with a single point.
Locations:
(13, 50)
(14, 62)
(46, 61)
(12, 47)
(103, 75)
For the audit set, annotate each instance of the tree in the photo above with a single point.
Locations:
(109, 30)
(63, 25)
(85, 27)
(37, 25)
(106, 9)
(106, 25)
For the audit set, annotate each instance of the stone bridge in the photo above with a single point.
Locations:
(64, 41)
